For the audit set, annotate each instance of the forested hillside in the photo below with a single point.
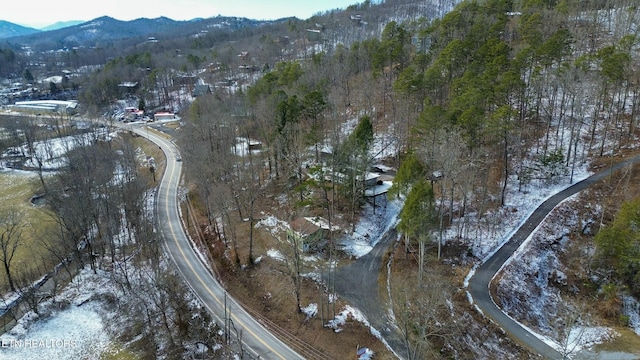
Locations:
(492, 94)
(289, 133)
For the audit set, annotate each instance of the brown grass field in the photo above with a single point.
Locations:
(17, 190)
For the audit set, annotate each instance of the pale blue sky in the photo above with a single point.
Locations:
(41, 13)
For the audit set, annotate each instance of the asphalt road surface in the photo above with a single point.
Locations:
(359, 283)
(257, 340)
(480, 282)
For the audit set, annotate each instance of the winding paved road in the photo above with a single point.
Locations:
(480, 282)
(257, 340)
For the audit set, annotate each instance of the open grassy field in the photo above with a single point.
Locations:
(16, 190)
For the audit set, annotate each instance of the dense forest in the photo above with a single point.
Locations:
(460, 101)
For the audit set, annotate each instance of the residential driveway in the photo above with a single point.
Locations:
(359, 283)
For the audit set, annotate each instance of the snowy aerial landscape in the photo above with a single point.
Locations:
(74, 323)
(297, 147)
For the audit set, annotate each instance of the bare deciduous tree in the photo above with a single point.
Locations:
(11, 225)
(423, 315)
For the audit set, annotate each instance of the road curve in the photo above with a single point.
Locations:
(479, 283)
(257, 340)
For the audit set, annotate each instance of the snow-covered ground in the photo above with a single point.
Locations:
(72, 333)
(52, 152)
(63, 333)
(72, 324)
(373, 223)
(69, 326)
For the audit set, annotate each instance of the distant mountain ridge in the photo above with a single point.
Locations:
(61, 25)
(8, 29)
(105, 29)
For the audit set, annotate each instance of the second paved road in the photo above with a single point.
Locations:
(479, 283)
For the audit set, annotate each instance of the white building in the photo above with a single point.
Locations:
(43, 107)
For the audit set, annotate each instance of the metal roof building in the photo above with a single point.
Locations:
(45, 107)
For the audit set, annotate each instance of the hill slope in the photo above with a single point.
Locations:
(8, 30)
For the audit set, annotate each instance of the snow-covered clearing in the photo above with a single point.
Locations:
(69, 326)
(51, 153)
(72, 333)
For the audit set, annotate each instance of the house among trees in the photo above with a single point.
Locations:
(214, 67)
(224, 83)
(312, 231)
(377, 185)
(358, 19)
(201, 89)
(314, 34)
(128, 87)
(186, 79)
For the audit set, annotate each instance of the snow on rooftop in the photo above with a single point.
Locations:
(321, 223)
(378, 189)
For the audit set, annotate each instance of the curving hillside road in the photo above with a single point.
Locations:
(480, 282)
(257, 340)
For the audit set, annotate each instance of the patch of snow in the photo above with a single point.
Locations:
(275, 225)
(73, 333)
(631, 308)
(315, 276)
(310, 258)
(351, 313)
(586, 337)
(242, 146)
(372, 225)
(310, 310)
(321, 223)
(333, 298)
(275, 254)
(365, 354)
